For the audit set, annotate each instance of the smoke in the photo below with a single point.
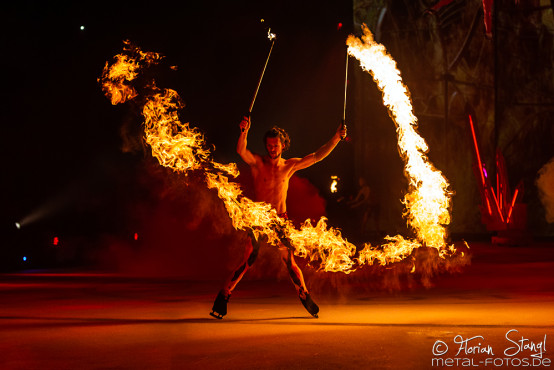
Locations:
(191, 217)
(183, 225)
(420, 270)
(183, 229)
(545, 184)
(304, 201)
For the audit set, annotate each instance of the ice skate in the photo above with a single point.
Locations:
(309, 304)
(219, 308)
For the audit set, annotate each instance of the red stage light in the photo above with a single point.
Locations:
(136, 236)
(55, 241)
(339, 26)
(512, 206)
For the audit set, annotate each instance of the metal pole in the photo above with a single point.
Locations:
(272, 37)
(345, 89)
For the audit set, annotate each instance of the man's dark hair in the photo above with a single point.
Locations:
(281, 134)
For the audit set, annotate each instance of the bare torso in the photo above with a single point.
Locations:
(272, 173)
(271, 181)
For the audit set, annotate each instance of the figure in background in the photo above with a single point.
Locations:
(367, 206)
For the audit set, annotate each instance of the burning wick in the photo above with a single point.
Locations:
(271, 36)
(334, 182)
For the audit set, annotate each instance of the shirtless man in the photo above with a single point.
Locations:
(271, 175)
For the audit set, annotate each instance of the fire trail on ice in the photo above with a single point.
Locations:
(183, 148)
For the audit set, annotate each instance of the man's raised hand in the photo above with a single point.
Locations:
(341, 130)
(245, 124)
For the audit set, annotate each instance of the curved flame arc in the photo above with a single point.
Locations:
(183, 148)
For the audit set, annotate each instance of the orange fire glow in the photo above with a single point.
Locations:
(116, 78)
(427, 203)
(334, 184)
(183, 148)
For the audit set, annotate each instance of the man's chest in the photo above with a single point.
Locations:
(273, 175)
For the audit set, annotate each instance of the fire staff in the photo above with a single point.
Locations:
(271, 173)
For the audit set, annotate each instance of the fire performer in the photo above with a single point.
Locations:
(271, 174)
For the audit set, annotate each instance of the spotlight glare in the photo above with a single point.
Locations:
(18, 225)
(82, 28)
(24, 258)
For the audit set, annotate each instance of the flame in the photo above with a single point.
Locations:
(116, 78)
(183, 148)
(427, 203)
(174, 144)
(334, 183)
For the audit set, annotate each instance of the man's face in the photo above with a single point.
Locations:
(274, 147)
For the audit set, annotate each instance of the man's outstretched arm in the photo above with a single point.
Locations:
(322, 152)
(244, 153)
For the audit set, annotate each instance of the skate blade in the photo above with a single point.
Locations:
(216, 315)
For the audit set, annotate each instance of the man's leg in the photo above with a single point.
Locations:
(250, 255)
(294, 271)
(219, 308)
(298, 280)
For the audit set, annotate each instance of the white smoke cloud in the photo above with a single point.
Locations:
(545, 184)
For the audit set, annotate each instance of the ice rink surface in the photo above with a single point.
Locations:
(497, 313)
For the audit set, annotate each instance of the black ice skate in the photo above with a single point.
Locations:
(220, 305)
(309, 304)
